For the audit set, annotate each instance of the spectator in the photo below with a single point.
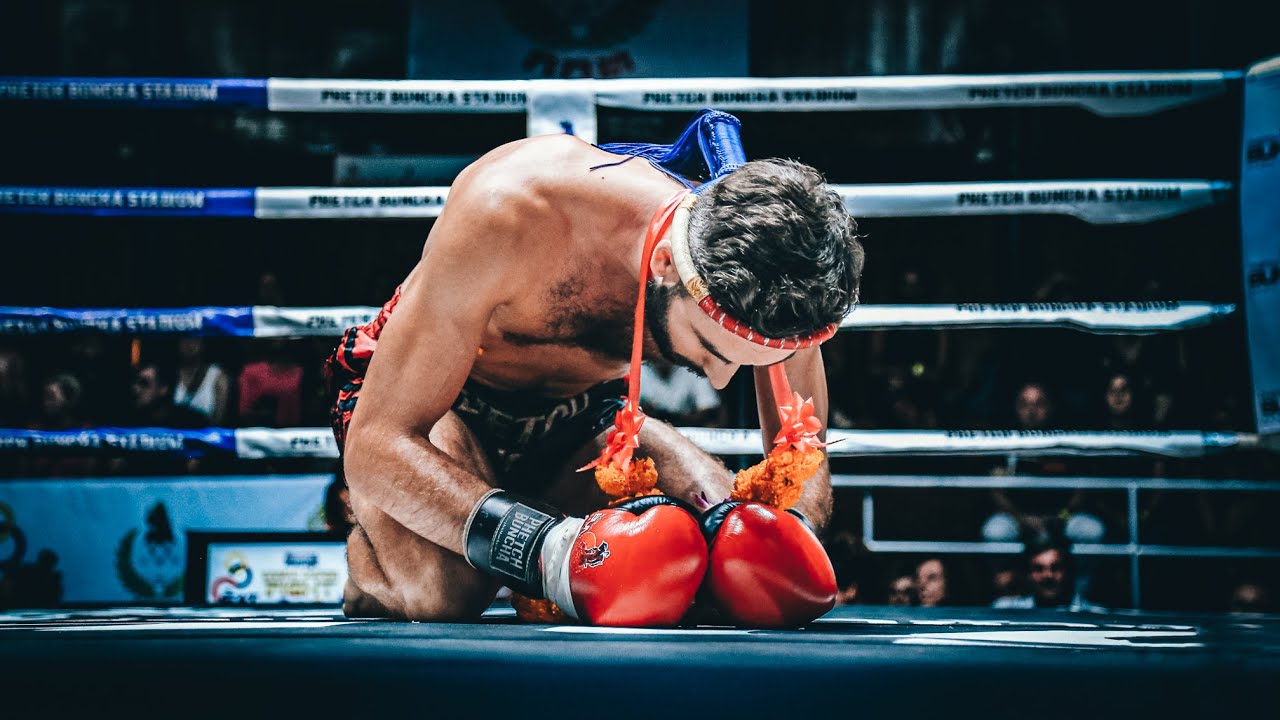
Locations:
(850, 559)
(679, 396)
(13, 389)
(1250, 597)
(102, 367)
(271, 389)
(59, 403)
(933, 583)
(202, 386)
(35, 585)
(1121, 410)
(1007, 581)
(905, 366)
(269, 291)
(915, 354)
(1153, 366)
(153, 404)
(902, 591)
(1033, 407)
(60, 399)
(1050, 569)
(1031, 512)
(905, 403)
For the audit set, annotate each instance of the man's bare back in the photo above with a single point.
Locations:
(566, 323)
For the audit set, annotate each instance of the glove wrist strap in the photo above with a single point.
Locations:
(504, 538)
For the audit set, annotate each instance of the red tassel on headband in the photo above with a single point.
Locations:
(617, 472)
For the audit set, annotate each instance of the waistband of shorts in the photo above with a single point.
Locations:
(528, 403)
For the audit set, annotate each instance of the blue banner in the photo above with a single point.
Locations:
(142, 201)
(136, 91)
(225, 321)
(135, 441)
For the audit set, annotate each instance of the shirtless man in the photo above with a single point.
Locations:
(502, 363)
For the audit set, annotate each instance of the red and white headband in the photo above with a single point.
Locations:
(697, 288)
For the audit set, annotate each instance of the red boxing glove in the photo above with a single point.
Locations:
(767, 568)
(637, 564)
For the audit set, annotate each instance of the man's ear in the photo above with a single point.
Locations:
(662, 264)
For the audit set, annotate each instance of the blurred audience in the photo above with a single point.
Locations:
(271, 389)
(1251, 597)
(59, 404)
(203, 386)
(679, 396)
(153, 401)
(902, 591)
(59, 409)
(1031, 512)
(32, 585)
(1121, 411)
(933, 584)
(13, 389)
(1050, 573)
(852, 563)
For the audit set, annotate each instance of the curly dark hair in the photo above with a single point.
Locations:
(777, 248)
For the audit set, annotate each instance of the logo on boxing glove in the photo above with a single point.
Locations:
(594, 553)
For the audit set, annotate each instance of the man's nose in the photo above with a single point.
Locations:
(720, 375)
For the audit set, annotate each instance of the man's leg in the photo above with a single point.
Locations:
(396, 573)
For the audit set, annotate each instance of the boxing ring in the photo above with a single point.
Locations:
(870, 662)
(879, 658)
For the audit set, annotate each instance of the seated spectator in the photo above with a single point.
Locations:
(13, 389)
(271, 390)
(1250, 597)
(933, 584)
(1030, 512)
(1033, 407)
(1121, 408)
(1155, 365)
(269, 290)
(60, 399)
(678, 396)
(1050, 569)
(919, 354)
(59, 404)
(33, 585)
(905, 402)
(1007, 581)
(902, 591)
(101, 364)
(202, 385)
(850, 559)
(153, 404)
(905, 367)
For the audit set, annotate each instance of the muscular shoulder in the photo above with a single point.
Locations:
(501, 208)
(523, 180)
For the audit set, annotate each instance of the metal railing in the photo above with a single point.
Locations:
(1134, 549)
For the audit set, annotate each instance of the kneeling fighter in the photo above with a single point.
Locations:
(501, 362)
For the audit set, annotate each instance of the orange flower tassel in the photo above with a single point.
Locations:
(542, 612)
(618, 473)
(797, 453)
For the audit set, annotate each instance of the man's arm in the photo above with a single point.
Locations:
(424, 356)
(808, 377)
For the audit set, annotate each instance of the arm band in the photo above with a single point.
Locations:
(504, 538)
